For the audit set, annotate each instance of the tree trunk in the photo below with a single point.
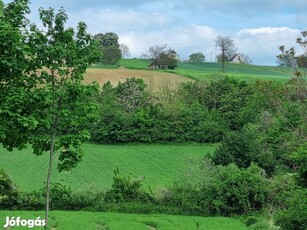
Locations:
(223, 59)
(49, 177)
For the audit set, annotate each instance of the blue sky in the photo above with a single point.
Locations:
(258, 27)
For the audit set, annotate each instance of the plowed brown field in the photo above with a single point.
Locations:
(154, 79)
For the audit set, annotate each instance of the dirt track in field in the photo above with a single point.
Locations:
(153, 79)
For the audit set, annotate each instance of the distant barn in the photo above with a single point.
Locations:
(238, 59)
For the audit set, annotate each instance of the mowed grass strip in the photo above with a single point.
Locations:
(64, 220)
(159, 164)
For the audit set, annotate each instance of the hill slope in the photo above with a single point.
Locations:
(200, 71)
(159, 164)
(154, 79)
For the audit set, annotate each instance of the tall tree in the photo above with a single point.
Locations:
(109, 46)
(197, 57)
(303, 41)
(228, 48)
(164, 60)
(162, 56)
(287, 57)
(16, 123)
(156, 50)
(43, 100)
(62, 55)
(124, 50)
(1, 8)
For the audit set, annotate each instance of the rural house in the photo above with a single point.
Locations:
(165, 61)
(238, 59)
(173, 54)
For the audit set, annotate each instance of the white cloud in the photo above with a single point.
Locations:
(261, 44)
(185, 39)
(106, 20)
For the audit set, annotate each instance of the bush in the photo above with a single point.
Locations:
(236, 191)
(295, 216)
(244, 147)
(251, 220)
(34, 200)
(61, 198)
(281, 188)
(300, 158)
(221, 190)
(126, 189)
(8, 192)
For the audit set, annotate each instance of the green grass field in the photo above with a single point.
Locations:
(200, 71)
(160, 165)
(113, 221)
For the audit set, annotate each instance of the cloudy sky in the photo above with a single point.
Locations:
(258, 27)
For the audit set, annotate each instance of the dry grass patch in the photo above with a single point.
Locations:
(154, 79)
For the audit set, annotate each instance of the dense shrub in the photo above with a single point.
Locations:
(300, 159)
(244, 147)
(61, 198)
(8, 192)
(129, 114)
(281, 188)
(295, 215)
(222, 190)
(34, 200)
(126, 189)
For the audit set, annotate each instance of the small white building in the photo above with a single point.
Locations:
(173, 54)
(238, 59)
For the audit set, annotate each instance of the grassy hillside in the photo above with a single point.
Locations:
(199, 71)
(89, 220)
(135, 63)
(159, 164)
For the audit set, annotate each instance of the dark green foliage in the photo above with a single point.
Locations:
(109, 47)
(197, 57)
(282, 187)
(107, 39)
(251, 220)
(110, 55)
(61, 198)
(126, 189)
(34, 200)
(244, 147)
(300, 159)
(295, 216)
(130, 114)
(8, 192)
(221, 190)
(228, 96)
(14, 82)
(165, 61)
